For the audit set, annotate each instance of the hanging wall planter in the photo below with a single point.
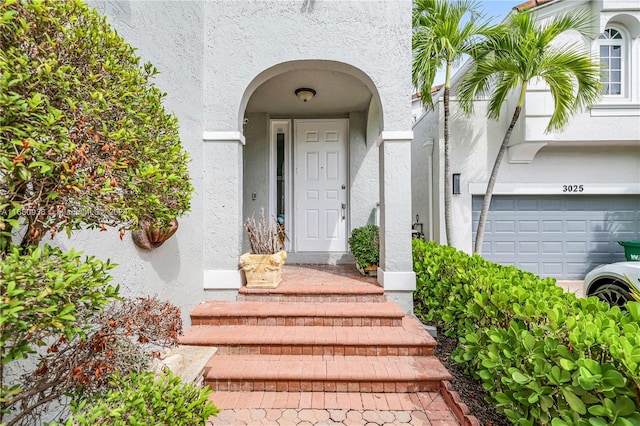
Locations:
(149, 237)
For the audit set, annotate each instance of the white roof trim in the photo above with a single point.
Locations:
(560, 188)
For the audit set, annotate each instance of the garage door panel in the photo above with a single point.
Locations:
(505, 226)
(597, 225)
(574, 268)
(551, 226)
(528, 247)
(577, 226)
(505, 247)
(531, 267)
(551, 247)
(528, 205)
(551, 205)
(576, 204)
(625, 205)
(576, 247)
(507, 205)
(559, 236)
(623, 226)
(551, 269)
(600, 247)
(528, 226)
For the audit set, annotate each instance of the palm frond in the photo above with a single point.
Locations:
(443, 32)
(524, 50)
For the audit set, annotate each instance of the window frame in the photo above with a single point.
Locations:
(623, 42)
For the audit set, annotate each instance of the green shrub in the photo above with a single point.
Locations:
(545, 356)
(365, 245)
(85, 142)
(84, 138)
(43, 291)
(144, 399)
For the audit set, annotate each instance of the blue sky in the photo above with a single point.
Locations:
(496, 9)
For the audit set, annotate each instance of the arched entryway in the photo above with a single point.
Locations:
(314, 163)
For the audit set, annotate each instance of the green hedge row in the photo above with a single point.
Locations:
(545, 356)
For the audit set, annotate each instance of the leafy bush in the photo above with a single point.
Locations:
(84, 143)
(365, 245)
(43, 292)
(545, 356)
(144, 399)
(84, 138)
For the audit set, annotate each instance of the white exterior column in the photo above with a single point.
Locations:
(395, 273)
(223, 220)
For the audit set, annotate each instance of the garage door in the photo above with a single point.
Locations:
(558, 236)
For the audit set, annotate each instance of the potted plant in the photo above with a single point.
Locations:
(262, 266)
(365, 246)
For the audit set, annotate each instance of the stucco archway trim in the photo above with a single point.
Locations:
(307, 64)
(394, 136)
(224, 136)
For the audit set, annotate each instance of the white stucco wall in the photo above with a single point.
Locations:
(423, 187)
(211, 56)
(256, 167)
(252, 42)
(173, 271)
(250, 37)
(363, 173)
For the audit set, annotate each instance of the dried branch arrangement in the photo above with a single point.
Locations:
(265, 236)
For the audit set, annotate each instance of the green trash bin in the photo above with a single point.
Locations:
(631, 250)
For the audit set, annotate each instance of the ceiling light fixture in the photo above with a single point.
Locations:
(304, 93)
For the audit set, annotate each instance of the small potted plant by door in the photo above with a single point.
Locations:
(365, 246)
(262, 266)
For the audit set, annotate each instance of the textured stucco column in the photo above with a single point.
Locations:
(222, 232)
(396, 266)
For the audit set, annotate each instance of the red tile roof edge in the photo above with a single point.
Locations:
(434, 90)
(530, 4)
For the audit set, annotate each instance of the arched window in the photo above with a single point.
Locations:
(612, 58)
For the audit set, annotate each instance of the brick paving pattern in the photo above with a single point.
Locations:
(323, 348)
(331, 408)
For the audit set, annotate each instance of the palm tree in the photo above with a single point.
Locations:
(443, 32)
(523, 51)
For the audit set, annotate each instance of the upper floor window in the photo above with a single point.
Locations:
(611, 43)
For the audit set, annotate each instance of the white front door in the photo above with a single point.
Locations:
(321, 185)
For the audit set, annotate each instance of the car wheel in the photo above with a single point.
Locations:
(613, 293)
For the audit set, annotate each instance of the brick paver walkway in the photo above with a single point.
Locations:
(331, 408)
(324, 348)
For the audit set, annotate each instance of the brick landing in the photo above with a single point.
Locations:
(325, 339)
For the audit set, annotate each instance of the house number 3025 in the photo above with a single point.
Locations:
(572, 188)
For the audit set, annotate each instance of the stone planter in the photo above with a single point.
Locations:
(263, 270)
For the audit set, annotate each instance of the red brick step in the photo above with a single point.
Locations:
(297, 314)
(410, 339)
(315, 293)
(293, 373)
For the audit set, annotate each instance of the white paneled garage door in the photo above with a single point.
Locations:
(558, 236)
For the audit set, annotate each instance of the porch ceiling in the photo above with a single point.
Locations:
(336, 93)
